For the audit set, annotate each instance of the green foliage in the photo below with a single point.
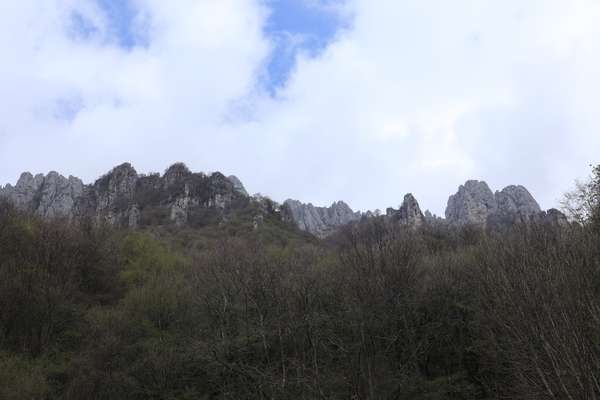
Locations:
(48, 274)
(229, 311)
(146, 258)
(22, 378)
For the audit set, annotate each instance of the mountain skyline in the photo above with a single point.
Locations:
(240, 185)
(315, 100)
(124, 198)
(299, 199)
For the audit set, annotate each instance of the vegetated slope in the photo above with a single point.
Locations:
(379, 310)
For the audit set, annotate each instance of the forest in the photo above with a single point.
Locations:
(376, 311)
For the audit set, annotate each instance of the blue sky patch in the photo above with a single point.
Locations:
(294, 26)
(67, 108)
(123, 26)
(122, 17)
(81, 27)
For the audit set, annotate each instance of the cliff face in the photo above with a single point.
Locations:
(472, 204)
(320, 221)
(409, 213)
(475, 204)
(323, 221)
(49, 196)
(124, 198)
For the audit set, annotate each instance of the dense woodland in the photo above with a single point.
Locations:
(377, 311)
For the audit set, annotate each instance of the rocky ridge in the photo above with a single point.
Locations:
(408, 214)
(124, 198)
(472, 204)
(475, 204)
(323, 221)
(320, 221)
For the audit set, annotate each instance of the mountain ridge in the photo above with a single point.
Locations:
(126, 199)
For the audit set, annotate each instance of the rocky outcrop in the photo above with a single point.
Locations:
(238, 186)
(124, 198)
(475, 204)
(57, 195)
(472, 204)
(320, 221)
(552, 217)
(323, 221)
(113, 196)
(514, 205)
(432, 219)
(26, 189)
(409, 212)
(48, 196)
(516, 199)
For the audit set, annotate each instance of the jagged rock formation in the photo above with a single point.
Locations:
(409, 212)
(552, 217)
(323, 221)
(49, 196)
(126, 199)
(472, 204)
(320, 221)
(475, 204)
(514, 205)
(432, 219)
(238, 186)
(516, 199)
(112, 197)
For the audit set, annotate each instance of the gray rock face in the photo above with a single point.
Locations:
(25, 191)
(433, 219)
(238, 186)
(409, 212)
(114, 195)
(320, 221)
(58, 195)
(475, 204)
(472, 204)
(552, 217)
(556, 217)
(515, 204)
(48, 196)
(125, 199)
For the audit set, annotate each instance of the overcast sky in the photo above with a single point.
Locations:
(360, 100)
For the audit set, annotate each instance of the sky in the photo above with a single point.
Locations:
(317, 100)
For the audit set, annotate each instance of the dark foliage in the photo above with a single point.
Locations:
(231, 311)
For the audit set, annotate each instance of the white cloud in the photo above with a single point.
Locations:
(422, 95)
(151, 105)
(411, 96)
